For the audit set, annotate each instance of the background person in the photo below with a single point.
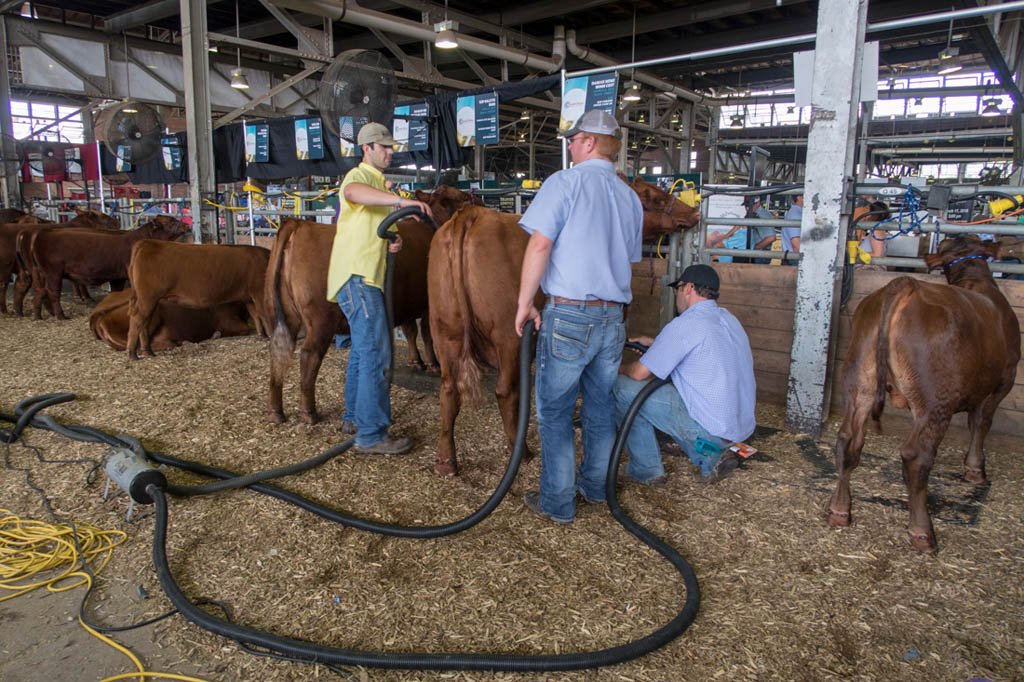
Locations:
(711, 400)
(791, 235)
(355, 279)
(585, 228)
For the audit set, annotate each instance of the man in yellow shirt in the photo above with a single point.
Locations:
(355, 279)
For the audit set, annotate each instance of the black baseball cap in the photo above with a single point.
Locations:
(700, 275)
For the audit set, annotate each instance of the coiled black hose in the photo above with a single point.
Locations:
(316, 653)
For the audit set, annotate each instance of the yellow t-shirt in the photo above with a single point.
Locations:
(357, 250)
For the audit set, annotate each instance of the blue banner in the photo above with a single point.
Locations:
(257, 143)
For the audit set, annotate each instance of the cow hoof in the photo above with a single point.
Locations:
(308, 417)
(418, 366)
(923, 542)
(446, 469)
(975, 476)
(133, 356)
(275, 417)
(433, 367)
(836, 518)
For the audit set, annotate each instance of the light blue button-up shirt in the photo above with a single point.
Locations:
(794, 213)
(707, 354)
(595, 221)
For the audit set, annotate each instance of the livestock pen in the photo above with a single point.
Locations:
(784, 597)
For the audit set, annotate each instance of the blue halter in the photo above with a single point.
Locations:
(953, 262)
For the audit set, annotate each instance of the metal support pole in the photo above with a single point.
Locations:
(194, 50)
(834, 97)
(10, 194)
(99, 177)
(252, 224)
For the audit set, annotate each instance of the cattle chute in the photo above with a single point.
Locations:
(26, 414)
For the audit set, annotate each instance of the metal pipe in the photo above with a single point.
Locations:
(350, 13)
(897, 262)
(788, 41)
(755, 253)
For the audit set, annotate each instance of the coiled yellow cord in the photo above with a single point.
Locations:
(29, 548)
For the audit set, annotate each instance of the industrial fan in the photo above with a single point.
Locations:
(132, 131)
(11, 156)
(358, 85)
(46, 160)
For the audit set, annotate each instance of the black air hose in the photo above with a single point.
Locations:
(389, 278)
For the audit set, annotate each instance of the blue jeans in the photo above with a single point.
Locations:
(663, 410)
(578, 347)
(367, 393)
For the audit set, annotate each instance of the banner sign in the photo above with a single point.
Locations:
(410, 127)
(309, 139)
(171, 152)
(584, 93)
(257, 143)
(123, 159)
(349, 129)
(477, 119)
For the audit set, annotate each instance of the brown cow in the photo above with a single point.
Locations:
(944, 349)
(297, 296)
(170, 326)
(193, 276)
(473, 278)
(11, 215)
(663, 213)
(10, 264)
(86, 255)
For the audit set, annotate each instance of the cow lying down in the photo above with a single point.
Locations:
(170, 325)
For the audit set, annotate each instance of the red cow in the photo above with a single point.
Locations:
(473, 278)
(193, 276)
(170, 326)
(9, 262)
(11, 215)
(297, 296)
(85, 255)
(939, 350)
(663, 213)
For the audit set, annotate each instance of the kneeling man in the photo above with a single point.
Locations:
(710, 403)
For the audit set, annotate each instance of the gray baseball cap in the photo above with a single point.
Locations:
(597, 121)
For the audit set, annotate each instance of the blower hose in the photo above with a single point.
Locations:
(389, 278)
(316, 653)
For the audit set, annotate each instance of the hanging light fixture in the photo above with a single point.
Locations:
(736, 121)
(991, 108)
(525, 116)
(949, 56)
(632, 93)
(445, 30)
(238, 79)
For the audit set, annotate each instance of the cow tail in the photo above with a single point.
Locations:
(468, 380)
(281, 342)
(897, 290)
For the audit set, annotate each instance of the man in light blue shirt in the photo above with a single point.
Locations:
(791, 235)
(585, 228)
(710, 403)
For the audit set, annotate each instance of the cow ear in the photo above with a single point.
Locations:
(991, 249)
(934, 261)
(422, 196)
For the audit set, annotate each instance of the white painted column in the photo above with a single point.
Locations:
(834, 98)
(195, 52)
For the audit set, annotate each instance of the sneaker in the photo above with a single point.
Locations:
(589, 500)
(387, 446)
(532, 502)
(656, 482)
(348, 427)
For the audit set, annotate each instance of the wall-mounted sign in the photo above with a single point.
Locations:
(409, 127)
(583, 93)
(257, 143)
(477, 119)
(171, 153)
(309, 139)
(349, 131)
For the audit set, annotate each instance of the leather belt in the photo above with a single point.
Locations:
(572, 301)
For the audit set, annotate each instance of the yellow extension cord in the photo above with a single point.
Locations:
(30, 548)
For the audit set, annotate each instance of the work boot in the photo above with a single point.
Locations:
(387, 446)
(348, 427)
